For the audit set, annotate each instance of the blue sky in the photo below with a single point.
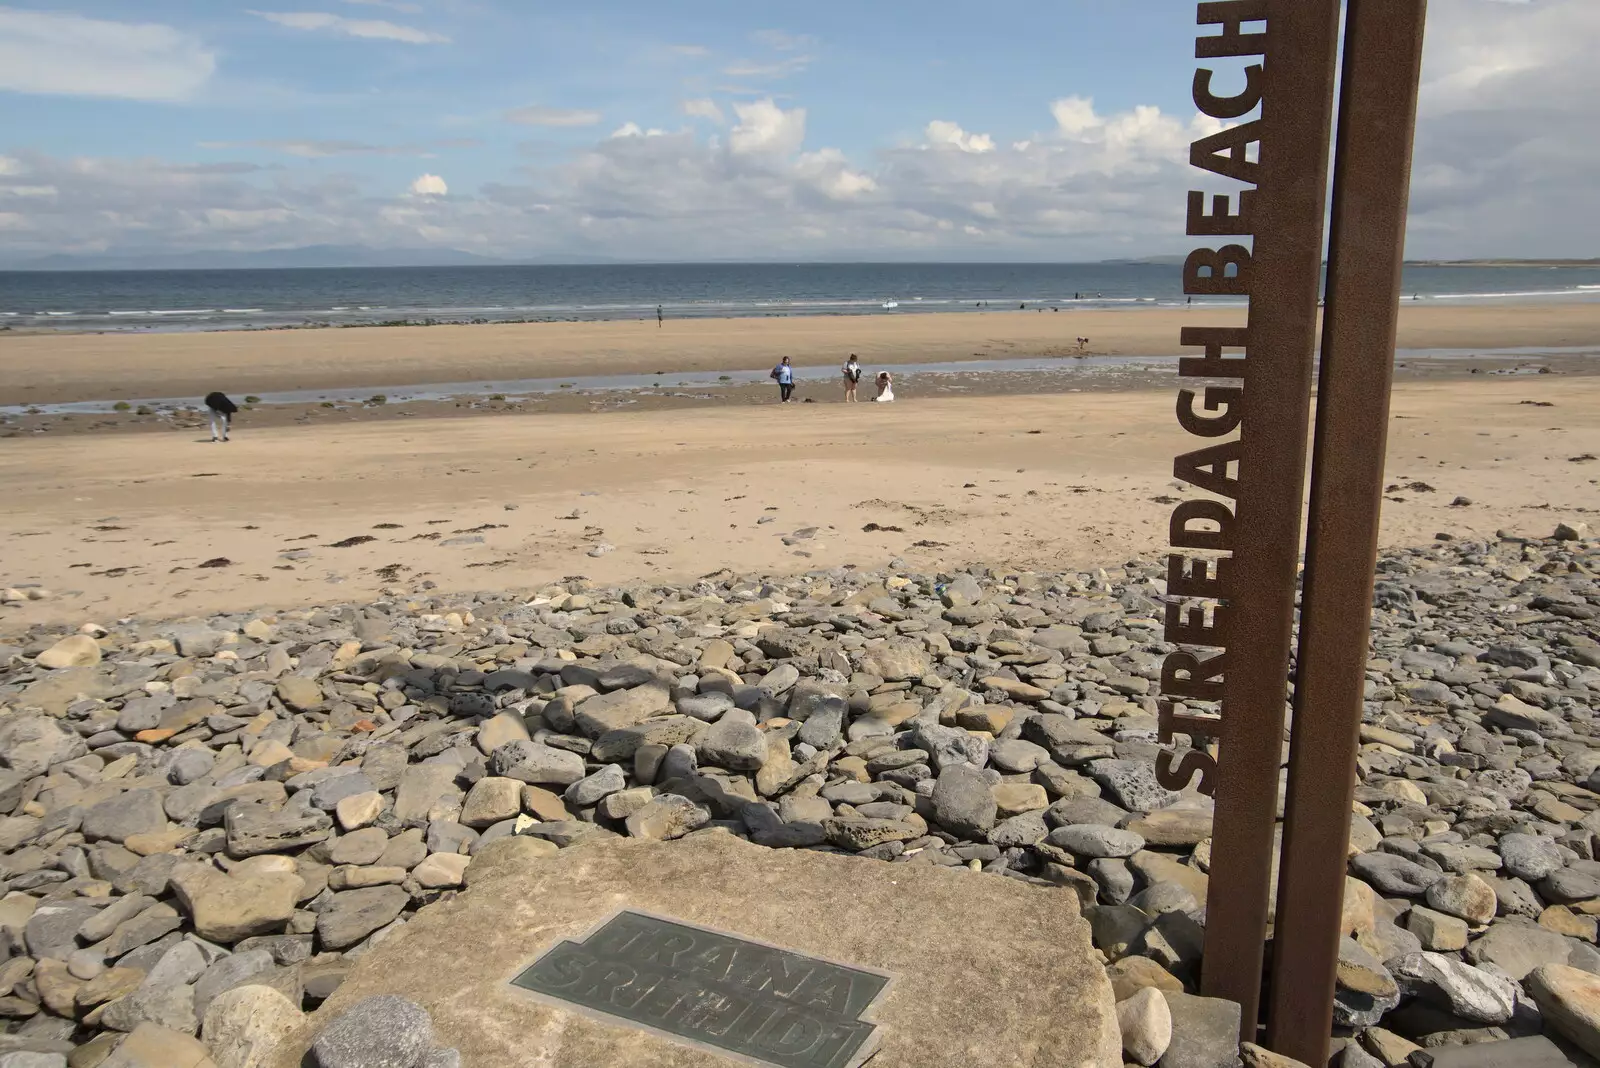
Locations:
(711, 129)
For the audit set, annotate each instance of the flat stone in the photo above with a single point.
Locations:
(492, 799)
(1182, 824)
(621, 708)
(257, 828)
(1205, 1032)
(152, 1046)
(1533, 1052)
(1094, 841)
(963, 802)
(1437, 932)
(1569, 1000)
(537, 763)
(135, 812)
(359, 810)
(1021, 969)
(1132, 784)
(381, 1030)
(352, 915)
(1449, 984)
(666, 817)
(1518, 948)
(733, 742)
(1529, 857)
(244, 1026)
(593, 788)
(236, 969)
(300, 694)
(78, 650)
(442, 870)
(1466, 896)
(1393, 876)
(228, 907)
(421, 786)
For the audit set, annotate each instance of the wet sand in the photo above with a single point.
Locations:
(56, 368)
(164, 524)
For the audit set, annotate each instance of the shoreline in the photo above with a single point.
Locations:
(914, 384)
(71, 368)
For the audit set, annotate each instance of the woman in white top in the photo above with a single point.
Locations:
(885, 389)
(852, 378)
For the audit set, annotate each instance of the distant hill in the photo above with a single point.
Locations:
(308, 256)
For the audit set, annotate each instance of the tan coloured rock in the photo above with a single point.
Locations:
(244, 1026)
(227, 907)
(1014, 982)
(1569, 999)
(1146, 1025)
(80, 650)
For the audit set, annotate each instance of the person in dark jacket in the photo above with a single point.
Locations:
(221, 409)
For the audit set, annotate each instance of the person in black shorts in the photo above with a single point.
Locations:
(852, 378)
(221, 409)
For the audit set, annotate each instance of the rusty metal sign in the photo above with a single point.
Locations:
(1231, 575)
(1232, 572)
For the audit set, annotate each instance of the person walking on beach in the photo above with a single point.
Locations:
(221, 410)
(658, 317)
(852, 378)
(783, 374)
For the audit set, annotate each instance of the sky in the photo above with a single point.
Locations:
(718, 130)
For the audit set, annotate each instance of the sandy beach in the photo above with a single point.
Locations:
(55, 368)
(162, 525)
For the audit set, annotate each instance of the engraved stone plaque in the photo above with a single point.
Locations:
(758, 1002)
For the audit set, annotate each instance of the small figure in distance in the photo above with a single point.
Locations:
(783, 374)
(852, 378)
(885, 389)
(221, 410)
(658, 317)
(1083, 344)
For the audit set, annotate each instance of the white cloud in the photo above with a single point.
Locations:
(376, 29)
(765, 127)
(70, 55)
(429, 185)
(940, 132)
(534, 115)
(704, 108)
(693, 51)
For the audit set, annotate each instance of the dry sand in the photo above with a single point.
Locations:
(119, 524)
(42, 369)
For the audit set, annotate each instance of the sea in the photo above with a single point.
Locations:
(188, 300)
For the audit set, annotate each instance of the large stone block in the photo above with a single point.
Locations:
(985, 970)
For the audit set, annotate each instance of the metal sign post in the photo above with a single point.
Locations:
(1244, 604)
(1231, 576)
(1372, 170)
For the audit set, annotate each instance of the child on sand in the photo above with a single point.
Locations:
(885, 389)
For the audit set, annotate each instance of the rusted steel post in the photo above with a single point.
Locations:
(1297, 89)
(1372, 171)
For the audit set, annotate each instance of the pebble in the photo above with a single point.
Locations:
(379, 1032)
